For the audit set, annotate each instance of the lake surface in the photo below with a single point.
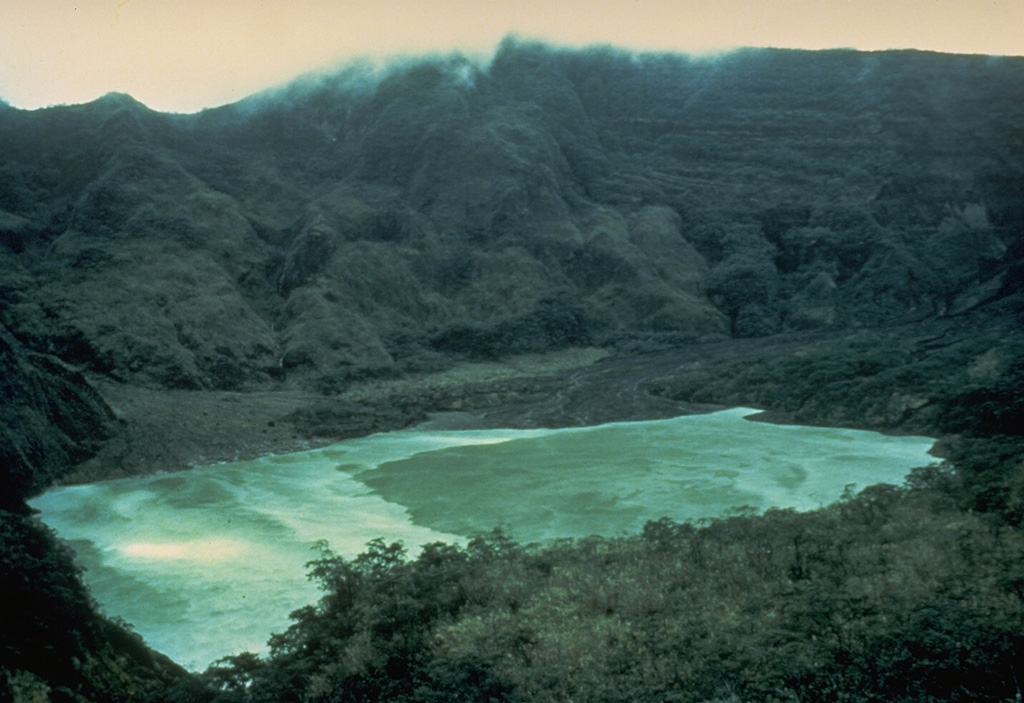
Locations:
(209, 562)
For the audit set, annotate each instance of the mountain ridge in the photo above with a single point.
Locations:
(652, 196)
(837, 236)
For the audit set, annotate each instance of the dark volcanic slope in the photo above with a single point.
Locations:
(50, 419)
(868, 205)
(367, 223)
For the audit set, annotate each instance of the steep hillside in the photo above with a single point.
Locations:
(376, 222)
(836, 235)
(50, 419)
(54, 644)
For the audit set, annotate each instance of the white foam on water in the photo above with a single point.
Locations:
(197, 550)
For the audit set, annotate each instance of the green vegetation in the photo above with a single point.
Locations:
(53, 645)
(898, 593)
(943, 377)
(365, 226)
(50, 419)
(360, 225)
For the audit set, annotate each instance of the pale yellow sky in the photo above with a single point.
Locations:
(183, 55)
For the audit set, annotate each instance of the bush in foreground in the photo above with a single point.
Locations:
(894, 594)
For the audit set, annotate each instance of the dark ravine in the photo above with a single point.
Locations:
(556, 238)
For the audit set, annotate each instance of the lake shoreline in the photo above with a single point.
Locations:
(173, 430)
(168, 552)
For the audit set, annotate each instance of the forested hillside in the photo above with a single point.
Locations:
(373, 222)
(837, 236)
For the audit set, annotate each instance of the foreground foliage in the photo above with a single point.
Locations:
(905, 593)
(54, 646)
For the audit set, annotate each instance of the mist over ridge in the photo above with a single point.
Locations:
(553, 237)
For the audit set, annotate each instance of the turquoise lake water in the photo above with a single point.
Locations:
(211, 561)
